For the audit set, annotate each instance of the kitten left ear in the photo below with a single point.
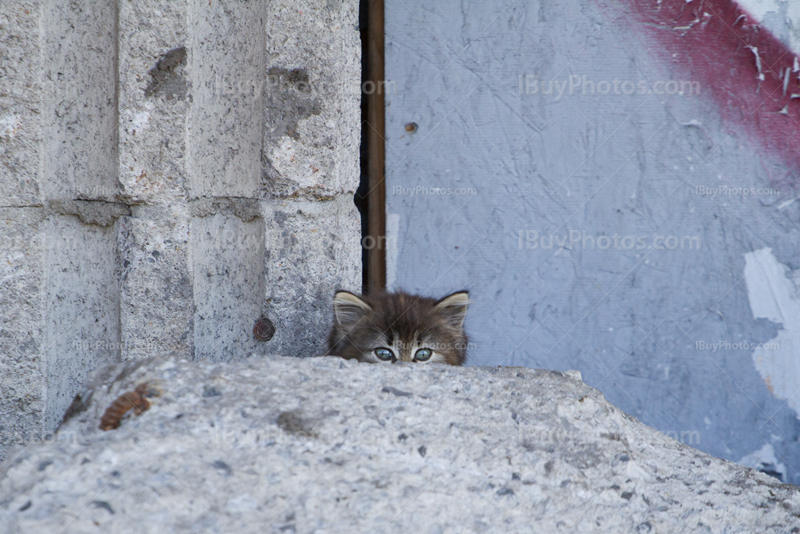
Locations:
(454, 307)
(348, 309)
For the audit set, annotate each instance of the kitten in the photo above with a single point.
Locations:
(392, 327)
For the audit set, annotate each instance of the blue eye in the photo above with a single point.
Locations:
(423, 354)
(384, 354)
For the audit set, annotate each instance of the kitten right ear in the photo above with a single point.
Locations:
(454, 307)
(348, 309)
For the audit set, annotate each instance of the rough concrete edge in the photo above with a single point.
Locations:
(90, 211)
(246, 209)
(117, 373)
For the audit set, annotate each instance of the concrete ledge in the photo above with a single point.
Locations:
(273, 444)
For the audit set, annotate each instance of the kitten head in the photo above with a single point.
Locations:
(392, 327)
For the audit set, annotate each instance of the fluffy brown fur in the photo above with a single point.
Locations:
(391, 327)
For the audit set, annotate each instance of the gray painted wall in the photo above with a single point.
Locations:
(579, 224)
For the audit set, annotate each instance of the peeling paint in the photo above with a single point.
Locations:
(757, 53)
(754, 50)
(773, 295)
(766, 461)
(781, 17)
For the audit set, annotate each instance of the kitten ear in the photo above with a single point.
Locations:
(348, 309)
(454, 307)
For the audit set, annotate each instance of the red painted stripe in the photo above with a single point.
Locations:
(714, 42)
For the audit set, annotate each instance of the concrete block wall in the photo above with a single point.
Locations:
(169, 172)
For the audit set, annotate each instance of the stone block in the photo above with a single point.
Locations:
(228, 267)
(154, 97)
(312, 249)
(311, 142)
(226, 117)
(79, 103)
(82, 308)
(277, 444)
(22, 325)
(156, 306)
(20, 104)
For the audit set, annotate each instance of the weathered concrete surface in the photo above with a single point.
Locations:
(155, 96)
(227, 116)
(81, 275)
(311, 247)
(20, 104)
(321, 445)
(22, 325)
(156, 305)
(154, 100)
(135, 175)
(228, 265)
(312, 93)
(79, 103)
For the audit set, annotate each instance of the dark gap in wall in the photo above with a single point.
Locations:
(361, 200)
(370, 198)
